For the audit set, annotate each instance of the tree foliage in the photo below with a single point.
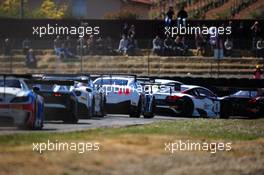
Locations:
(10, 8)
(48, 9)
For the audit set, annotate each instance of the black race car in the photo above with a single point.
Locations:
(59, 102)
(243, 103)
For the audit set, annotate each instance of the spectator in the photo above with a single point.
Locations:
(169, 16)
(109, 46)
(131, 45)
(228, 47)
(31, 61)
(168, 46)
(81, 46)
(99, 44)
(123, 45)
(256, 32)
(57, 46)
(91, 45)
(182, 17)
(260, 48)
(26, 45)
(7, 47)
(132, 31)
(69, 45)
(178, 46)
(125, 30)
(257, 73)
(200, 42)
(157, 45)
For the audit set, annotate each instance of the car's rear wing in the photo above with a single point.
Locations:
(83, 78)
(25, 76)
(50, 82)
(114, 75)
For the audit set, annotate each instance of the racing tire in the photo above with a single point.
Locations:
(152, 113)
(187, 107)
(71, 120)
(92, 110)
(42, 121)
(135, 112)
(102, 105)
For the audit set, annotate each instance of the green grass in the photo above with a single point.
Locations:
(192, 128)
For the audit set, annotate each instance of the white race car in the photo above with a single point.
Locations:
(90, 100)
(122, 95)
(188, 101)
(19, 105)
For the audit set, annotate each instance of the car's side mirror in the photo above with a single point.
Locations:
(89, 90)
(202, 96)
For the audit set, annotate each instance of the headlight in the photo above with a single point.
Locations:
(20, 99)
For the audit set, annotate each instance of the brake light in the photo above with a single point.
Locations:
(120, 92)
(127, 91)
(173, 98)
(57, 95)
(253, 101)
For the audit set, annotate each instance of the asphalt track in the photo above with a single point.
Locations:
(109, 121)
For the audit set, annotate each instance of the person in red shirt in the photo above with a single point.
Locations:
(257, 73)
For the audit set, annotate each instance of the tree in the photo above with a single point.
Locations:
(10, 8)
(49, 9)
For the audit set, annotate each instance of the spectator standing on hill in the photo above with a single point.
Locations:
(169, 16)
(26, 45)
(157, 45)
(256, 34)
(31, 60)
(7, 47)
(182, 17)
(257, 73)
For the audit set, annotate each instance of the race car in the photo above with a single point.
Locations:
(19, 105)
(90, 100)
(243, 103)
(60, 102)
(122, 95)
(188, 100)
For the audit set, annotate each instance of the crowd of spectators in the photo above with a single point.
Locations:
(205, 45)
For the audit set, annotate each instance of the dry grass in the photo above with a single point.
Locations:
(140, 150)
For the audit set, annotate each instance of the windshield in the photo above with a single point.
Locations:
(10, 83)
(245, 94)
(111, 82)
(168, 89)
